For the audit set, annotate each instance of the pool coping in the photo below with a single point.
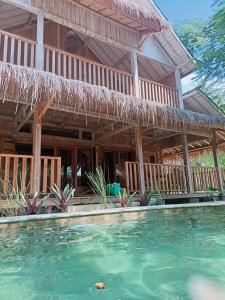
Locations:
(111, 211)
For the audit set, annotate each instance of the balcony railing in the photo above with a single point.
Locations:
(159, 93)
(20, 51)
(17, 50)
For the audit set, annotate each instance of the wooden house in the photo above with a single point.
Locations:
(87, 83)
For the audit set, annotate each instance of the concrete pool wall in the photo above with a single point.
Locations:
(109, 216)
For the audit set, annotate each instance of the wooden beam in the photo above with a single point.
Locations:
(45, 107)
(179, 88)
(116, 132)
(187, 162)
(40, 42)
(101, 129)
(24, 120)
(134, 66)
(140, 159)
(37, 128)
(216, 159)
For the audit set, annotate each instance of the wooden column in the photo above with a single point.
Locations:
(37, 128)
(139, 156)
(187, 163)
(40, 42)
(179, 88)
(186, 158)
(138, 132)
(134, 66)
(74, 166)
(216, 159)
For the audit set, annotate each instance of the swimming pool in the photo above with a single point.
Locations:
(151, 258)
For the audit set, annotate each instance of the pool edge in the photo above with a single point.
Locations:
(102, 212)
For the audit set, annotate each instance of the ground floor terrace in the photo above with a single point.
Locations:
(55, 131)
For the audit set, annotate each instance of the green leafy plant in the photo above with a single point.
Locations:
(19, 202)
(125, 200)
(29, 205)
(151, 197)
(63, 196)
(98, 185)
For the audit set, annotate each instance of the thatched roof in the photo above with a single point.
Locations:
(143, 14)
(137, 8)
(26, 85)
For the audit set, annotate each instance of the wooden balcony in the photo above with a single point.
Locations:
(171, 179)
(20, 51)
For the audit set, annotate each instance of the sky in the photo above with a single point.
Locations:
(178, 10)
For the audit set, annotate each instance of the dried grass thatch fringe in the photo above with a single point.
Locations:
(138, 8)
(29, 85)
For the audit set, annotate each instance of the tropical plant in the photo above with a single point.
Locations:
(19, 202)
(30, 205)
(63, 196)
(151, 197)
(125, 200)
(98, 185)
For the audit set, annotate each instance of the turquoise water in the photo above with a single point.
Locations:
(148, 259)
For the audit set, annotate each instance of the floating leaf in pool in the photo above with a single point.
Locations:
(100, 286)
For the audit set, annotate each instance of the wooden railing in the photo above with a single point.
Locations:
(158, 178)
(165, 178)
(21, 51)
(50, 173)
(16, 173)
(169, 179)
(159, 93)
(17, 50)
(205, 178)
(75, 67)
(132, 177)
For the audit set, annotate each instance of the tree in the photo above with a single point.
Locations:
(206, 42)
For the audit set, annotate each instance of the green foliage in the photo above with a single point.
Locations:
(98, 185)
(151, 197)
(206, 43)
(125, 200)
(63, 196)
(207, 160)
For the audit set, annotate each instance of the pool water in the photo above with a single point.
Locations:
(146, 259)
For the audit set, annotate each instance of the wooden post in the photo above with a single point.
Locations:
(40, 42)
(186, 159)
(179, 88)
(74, 166)
(138, 133)
(187, 163)
(139, 155)
(216, 160)
(134, 66)
(37, 127)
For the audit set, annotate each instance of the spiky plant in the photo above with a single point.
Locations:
(98, 185)
(30, 205)
(125, 200)
(63, 196)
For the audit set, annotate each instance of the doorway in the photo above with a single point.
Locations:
(84, 166)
